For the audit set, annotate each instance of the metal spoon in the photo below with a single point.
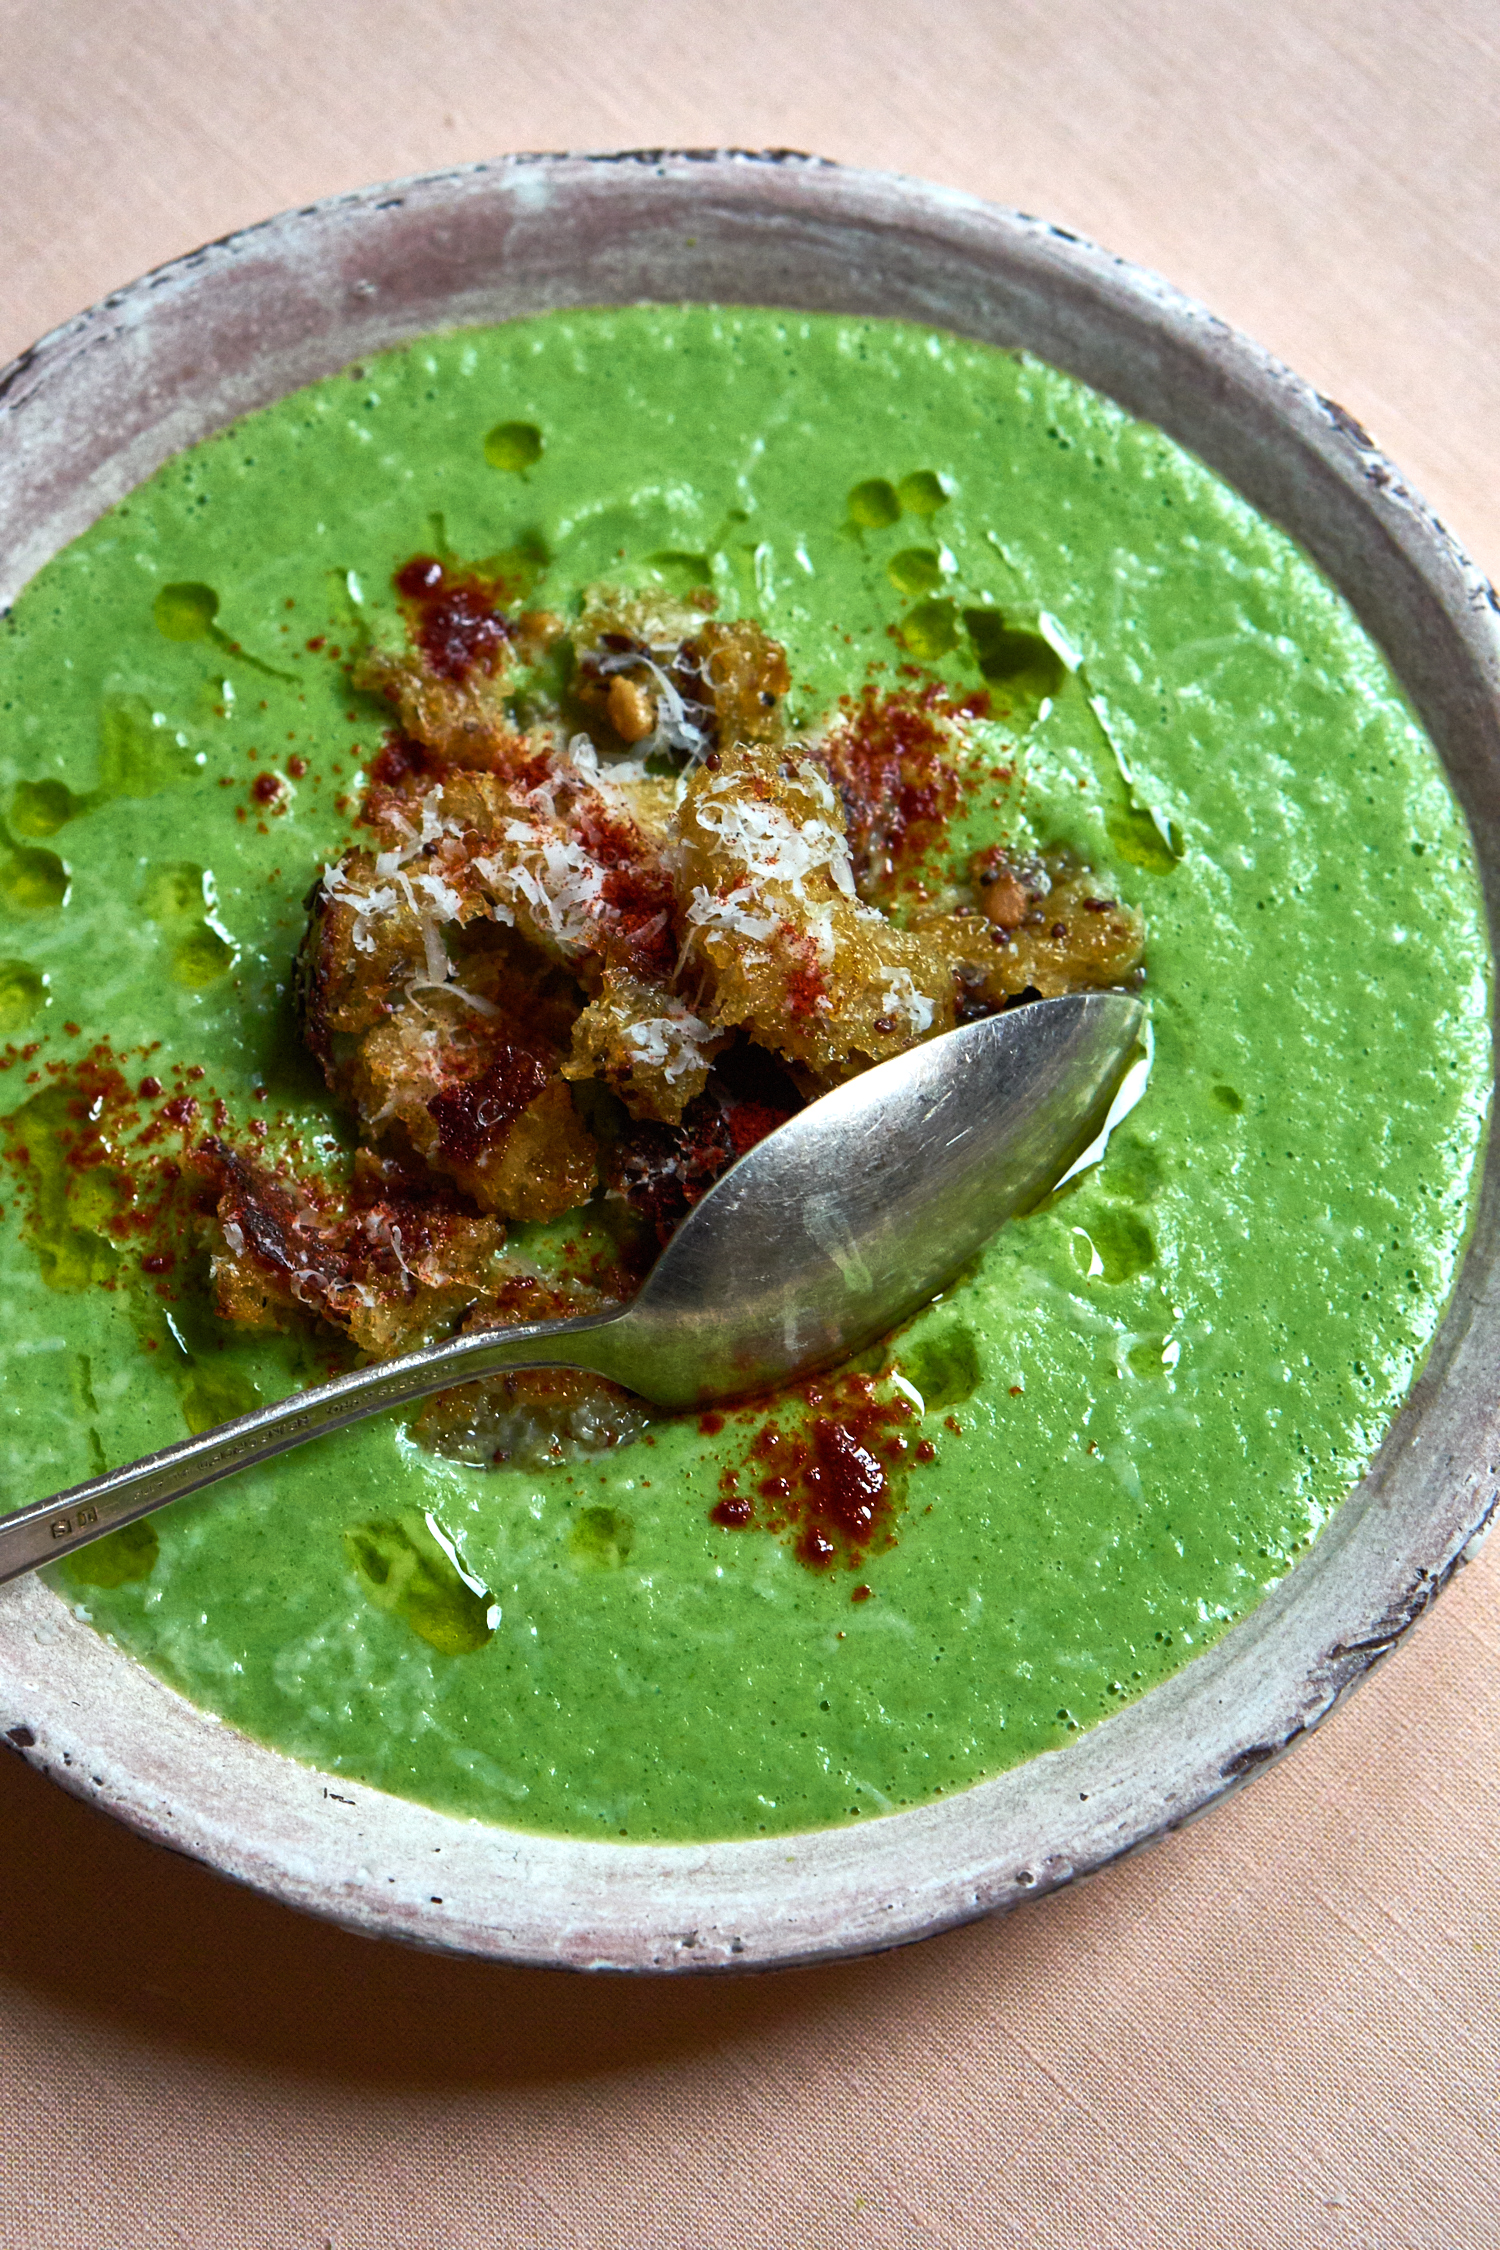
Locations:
(821, 1238)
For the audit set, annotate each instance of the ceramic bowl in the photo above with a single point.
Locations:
(98, 405)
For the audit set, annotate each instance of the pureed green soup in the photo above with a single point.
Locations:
(1145, 1400)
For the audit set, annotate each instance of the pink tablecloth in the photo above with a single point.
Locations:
(1283, 2027)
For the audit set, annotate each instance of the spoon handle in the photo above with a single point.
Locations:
(70, 1519)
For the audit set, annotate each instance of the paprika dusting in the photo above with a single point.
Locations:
(588, 952)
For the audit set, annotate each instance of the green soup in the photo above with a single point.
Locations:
(1149, 1395)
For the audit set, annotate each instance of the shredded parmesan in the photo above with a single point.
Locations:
(735, 911)
(770, 845)
(901, 998)
(670, 1043)
(367, 905)
(474, 1000)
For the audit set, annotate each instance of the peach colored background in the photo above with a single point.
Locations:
(1280, 2029)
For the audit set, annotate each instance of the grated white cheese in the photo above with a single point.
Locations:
(820, 930)
(439, 967)
(442, 897)
(901, 997)
(671, 1043)
(735, 911)
(416, 841)
(474, 1000)
(367, 905)
(770, 845)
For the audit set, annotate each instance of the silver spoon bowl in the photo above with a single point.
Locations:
(821, 1238)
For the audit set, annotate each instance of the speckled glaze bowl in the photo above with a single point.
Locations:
(98, 405)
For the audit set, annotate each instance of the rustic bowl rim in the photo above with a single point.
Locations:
(95, 406)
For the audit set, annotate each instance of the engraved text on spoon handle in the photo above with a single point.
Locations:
(70, 1519)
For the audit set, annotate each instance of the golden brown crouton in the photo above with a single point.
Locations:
(746, 674)
(387, 1270)
(1048, 926)
(782, 944)
(694, 930)
(486, 1111)
(645, 1045)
